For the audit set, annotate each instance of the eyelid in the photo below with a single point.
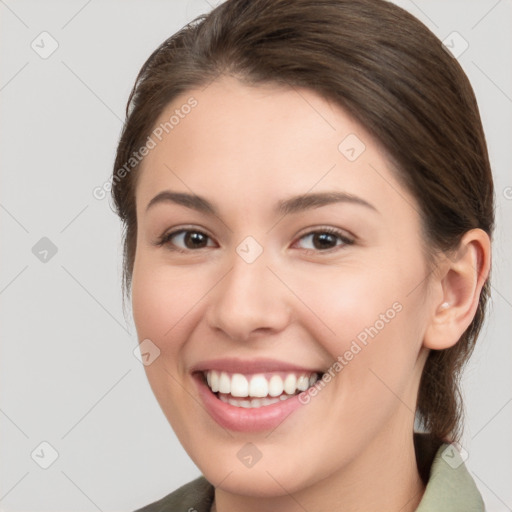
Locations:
(346, 238)
(326, 228)
(164, 239)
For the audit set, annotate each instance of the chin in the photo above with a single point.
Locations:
(258, 482)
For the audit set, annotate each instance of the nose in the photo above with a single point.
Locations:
(249, 301)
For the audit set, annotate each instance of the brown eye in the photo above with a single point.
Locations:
(323, 240)
(186, 239)
(195, 239)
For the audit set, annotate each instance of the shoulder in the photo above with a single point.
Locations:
(196, 496)
(450, 486)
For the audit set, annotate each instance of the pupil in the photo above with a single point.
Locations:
(194, 240)
(325, 239)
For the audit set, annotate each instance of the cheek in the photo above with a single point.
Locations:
(163, 309)
(163, 302)
(374, 322)
(348, 300)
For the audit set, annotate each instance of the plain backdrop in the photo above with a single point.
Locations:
(68, 375)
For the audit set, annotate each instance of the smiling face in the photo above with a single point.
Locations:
(304, 256)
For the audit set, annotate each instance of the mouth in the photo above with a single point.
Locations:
(254, 395)
(257, 390)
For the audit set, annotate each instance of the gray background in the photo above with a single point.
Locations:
(68, 375)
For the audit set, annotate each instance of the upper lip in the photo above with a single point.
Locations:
(235, 365)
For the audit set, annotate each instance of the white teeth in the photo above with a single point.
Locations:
(239, 385)
(275, 385)
(278, 387)
(253, 403)
(214, 381)
(303, 383)
(290, 384)
(224, 383)
(256, 402)
(258, 386)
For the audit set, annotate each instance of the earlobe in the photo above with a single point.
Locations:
(460, 279)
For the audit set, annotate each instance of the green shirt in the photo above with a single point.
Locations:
(450, 488)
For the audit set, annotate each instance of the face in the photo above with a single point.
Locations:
(303, 259)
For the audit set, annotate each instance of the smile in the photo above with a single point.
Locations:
(252, 395)
(257, 390)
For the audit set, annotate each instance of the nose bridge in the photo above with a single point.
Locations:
(249, 297)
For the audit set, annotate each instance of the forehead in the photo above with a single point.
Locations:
(249, 147)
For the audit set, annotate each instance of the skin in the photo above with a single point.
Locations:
(244, 149)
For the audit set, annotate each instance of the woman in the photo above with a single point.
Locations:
(308, 206)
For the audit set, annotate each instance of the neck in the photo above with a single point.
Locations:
(384, 477)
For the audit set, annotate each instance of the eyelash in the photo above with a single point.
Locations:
(167, 237)
(345, 240)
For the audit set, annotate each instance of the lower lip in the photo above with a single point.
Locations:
(240, 419)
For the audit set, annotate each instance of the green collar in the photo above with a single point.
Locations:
(450, 487)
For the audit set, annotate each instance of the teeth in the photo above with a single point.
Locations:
(224, 383)
(290, 384)
(303, 383)
(253, 403)
(275, 386)
(258, 386)
(239, 385)
(214, 381)
(256, 402)
(262, 390)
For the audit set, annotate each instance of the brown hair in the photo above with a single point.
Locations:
(389, 72)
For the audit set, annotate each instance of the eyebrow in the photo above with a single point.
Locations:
(288, 206)
(191, 201)
(315, 200)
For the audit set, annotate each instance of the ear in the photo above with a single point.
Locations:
(458, 282)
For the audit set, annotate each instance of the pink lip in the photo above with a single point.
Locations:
(234, 365)
(245, 420)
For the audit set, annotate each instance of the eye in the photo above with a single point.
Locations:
(324, 239)
(186, 239)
